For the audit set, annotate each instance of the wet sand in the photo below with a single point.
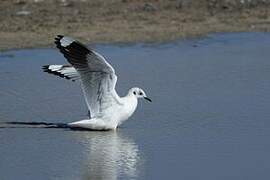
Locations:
(34, 23)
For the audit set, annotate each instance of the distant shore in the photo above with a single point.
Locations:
(34, 23)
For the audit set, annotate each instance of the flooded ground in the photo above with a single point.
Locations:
(209, 118)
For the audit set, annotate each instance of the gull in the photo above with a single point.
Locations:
(98, 80)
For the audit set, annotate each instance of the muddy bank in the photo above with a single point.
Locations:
(34, 23)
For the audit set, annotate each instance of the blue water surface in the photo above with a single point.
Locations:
(209, 118)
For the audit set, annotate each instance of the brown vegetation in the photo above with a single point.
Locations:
(31, 23)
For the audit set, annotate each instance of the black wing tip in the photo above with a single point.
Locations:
(59, 37)
(57, 40)
(60, 45)
(45, 66)
(74, 43)
(49, 71)
(73, 50)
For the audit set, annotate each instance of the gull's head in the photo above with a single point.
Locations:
(138, 93)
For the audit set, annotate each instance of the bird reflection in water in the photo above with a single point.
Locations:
(110, 155)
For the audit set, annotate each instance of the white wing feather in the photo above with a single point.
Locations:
(64, 71)
(97, 75)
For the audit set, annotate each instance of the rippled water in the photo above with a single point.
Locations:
(209, 118)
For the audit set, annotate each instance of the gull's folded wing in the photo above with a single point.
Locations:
(97, 75)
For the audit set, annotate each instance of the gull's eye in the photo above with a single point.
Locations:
(141, 94)
(134, 92)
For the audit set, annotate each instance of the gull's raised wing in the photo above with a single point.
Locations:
(97, 75)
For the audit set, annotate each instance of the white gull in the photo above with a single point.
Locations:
(98, 80)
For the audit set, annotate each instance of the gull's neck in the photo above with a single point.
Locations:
(130, 101)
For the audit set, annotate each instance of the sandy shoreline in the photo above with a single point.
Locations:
(32, 23)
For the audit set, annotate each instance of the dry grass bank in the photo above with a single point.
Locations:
(34, 23)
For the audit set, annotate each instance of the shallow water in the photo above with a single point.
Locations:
(209, 118)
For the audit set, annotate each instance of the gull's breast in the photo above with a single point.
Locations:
(127, 109)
